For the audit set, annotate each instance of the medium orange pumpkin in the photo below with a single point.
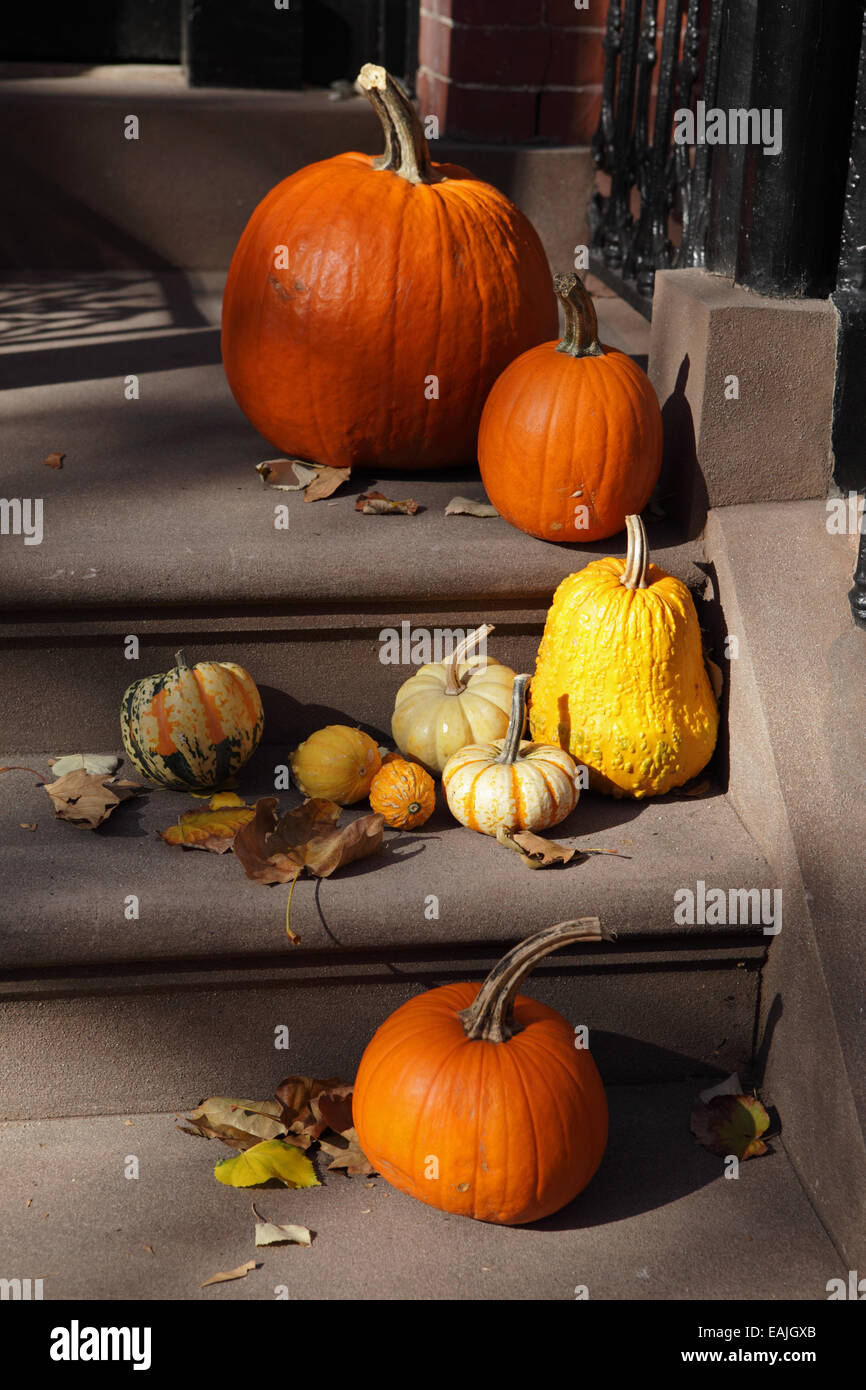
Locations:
(570, 441)
(403, 290)
(475, 1099)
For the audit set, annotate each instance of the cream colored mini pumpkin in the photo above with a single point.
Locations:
(510, 784)
(448, 704)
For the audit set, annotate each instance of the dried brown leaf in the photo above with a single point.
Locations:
(348, 1155)
(377, 504)
(534, 850)
(275, 851)
(86, 799)
(238, 1123)
(717, 680)
(54, 459)
(326, 481)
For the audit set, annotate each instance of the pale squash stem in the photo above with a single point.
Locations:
(517, 719)
(453, 684)
(490, 1017)
(634, 576)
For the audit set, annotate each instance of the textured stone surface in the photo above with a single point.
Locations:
(158, 501)
(772, 443)
(659, 1221)
(82, 1042)
(64, 888)
(796, 779)
(182, 193)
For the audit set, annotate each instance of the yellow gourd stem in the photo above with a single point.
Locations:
(453, 683)
(516, 721)
(491, 1015)
(637, 556)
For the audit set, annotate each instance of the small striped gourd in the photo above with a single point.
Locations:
(195, 726)
(509, 784)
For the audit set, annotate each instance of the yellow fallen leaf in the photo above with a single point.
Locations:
(213, 829)
(265, 1162)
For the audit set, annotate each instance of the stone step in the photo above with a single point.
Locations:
(659, 1221)
(94, 1003)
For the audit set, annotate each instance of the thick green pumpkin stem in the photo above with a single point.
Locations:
(581, 321)
(406, 149)
(491, 1016)
(516, 721)
(634, 576)
(453, 684)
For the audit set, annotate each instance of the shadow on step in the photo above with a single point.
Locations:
(654, 1122)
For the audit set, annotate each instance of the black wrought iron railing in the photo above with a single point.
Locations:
(655, 212)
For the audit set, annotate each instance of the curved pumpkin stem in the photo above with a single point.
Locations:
(581, 321)
(453, 684)
(516, 721)
(406, 149)
(491, 1016)
(637, 555)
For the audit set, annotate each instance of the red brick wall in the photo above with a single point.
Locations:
(512, 70)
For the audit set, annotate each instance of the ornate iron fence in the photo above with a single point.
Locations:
(657, 188)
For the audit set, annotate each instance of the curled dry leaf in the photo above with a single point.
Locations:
(270, 1233)
(315, 480)
(377, 504)
(86, 799)
(28, 824)
(240, 1273)
(288, 475)
(466, 506)
(213, 829)
(54, 459)
(731, 1125)
(276, 850)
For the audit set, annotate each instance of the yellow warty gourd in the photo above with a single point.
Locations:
(620, 679)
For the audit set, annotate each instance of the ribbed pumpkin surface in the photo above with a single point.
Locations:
(560, 433)
(388, 284)
(621, 683)
(517, 1128)
(194, 726)
(536, 791)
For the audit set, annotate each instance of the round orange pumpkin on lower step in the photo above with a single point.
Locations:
(475, 1099)
(570, 441)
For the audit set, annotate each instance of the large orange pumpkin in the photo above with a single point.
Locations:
(402, 290)
(477, 1101)
(570, 442)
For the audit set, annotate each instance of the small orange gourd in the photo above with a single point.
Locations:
(403, 793)
(492, 1085)
(571, 434)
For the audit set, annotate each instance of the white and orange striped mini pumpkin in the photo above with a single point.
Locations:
(508, 783)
